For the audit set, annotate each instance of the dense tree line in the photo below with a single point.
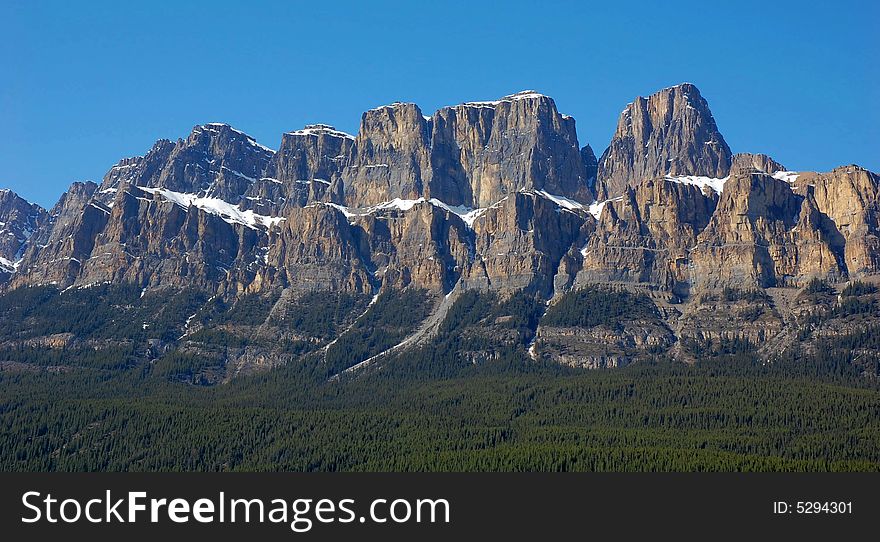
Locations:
(660, 417)
(388, 321)
(593, 306)
(437, 407)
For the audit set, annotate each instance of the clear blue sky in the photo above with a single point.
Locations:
(85, 84)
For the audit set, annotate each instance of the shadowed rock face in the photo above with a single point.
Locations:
(315, 250)
(520, 242)
(763, 234)
(307, 163)
(55, 251)
(521, 142)
(392, 158)
(19, 219)
(670, 132)
(848, 196)
(472, 154)
(214, 160)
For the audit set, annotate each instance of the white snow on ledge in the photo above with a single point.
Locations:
(228, 212)
(467, 214)
(569, 204)
(522, 95)
(596, 207)
(787, 176)
(717, 185)
(8, 266)
(562, 201)
(320, 129)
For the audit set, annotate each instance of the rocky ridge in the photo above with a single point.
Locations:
(489, 196)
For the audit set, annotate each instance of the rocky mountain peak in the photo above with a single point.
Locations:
(671, 132)
(498, 147)
(19, 219)
(214, 159)
(495, 193)
(392, 158)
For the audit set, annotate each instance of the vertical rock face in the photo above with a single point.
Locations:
(315, 250)
(392, 159)
(671, 132)
(762, 234)
(521, 241)
(303, 170)
(591, 164)
(426, 246)
(472, 154)
(521, 142)
(645, 235)
(19, 219)
(149, 240)
(54, 253)
(849, 197)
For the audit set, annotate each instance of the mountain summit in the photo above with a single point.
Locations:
(493, 196)
(670, 132)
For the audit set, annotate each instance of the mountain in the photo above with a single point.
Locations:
(671, 132)
(668, 244)
(19, 220)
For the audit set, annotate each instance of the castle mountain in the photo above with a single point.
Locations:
(493, 197)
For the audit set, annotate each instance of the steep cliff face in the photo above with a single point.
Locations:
(151, 239)
(425, 246)
(327, 246)
(19, 219)
(672, 132)
(315, 250)
(645, 236)
(473, 154)
(520, 142)
(307, 163)
(392, 158)
(55, 251)
(762, 234)
(848, 196)
(521, 240)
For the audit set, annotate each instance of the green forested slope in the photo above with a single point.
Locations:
(434, 408)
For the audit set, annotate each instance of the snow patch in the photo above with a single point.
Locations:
(225, 210)
(787, 176)
(467, 214)
(320, 129)
(717, 185)
(596, 207)
(562, 201)
(8, 266)
(522, 95)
